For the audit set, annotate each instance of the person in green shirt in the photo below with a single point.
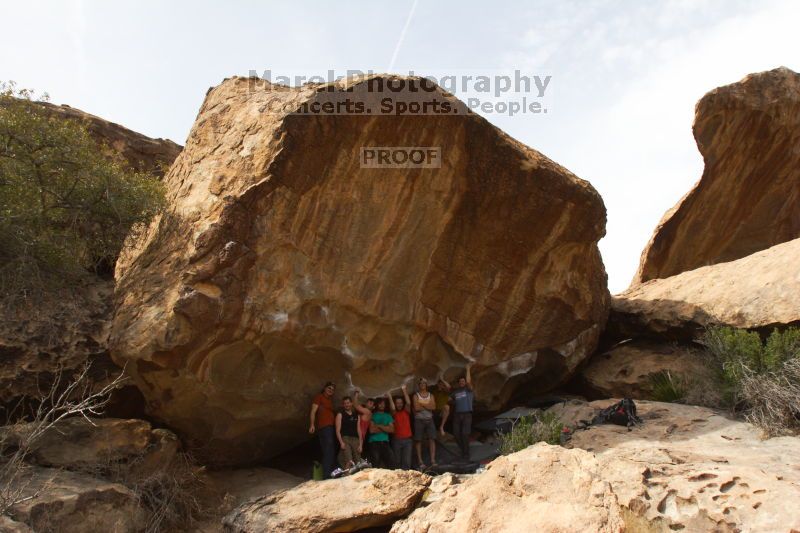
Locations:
(380, 426)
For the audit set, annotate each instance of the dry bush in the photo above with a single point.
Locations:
(67, 396)
(773, 399)
(758, 380)
(174, 495)
(704, 390)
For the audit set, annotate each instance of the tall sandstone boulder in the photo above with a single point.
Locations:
(285, 263)
(748, 198)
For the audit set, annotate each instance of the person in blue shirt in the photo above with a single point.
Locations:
(462, 396)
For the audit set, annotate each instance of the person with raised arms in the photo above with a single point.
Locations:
(401, 441)
(462, 396)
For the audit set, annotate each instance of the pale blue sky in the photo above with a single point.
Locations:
(626, 75)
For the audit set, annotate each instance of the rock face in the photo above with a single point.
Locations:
(64, 330)
(626, 370)
(369, 498)
(81, 443)
(748, 198)
(757, 292)
(286, 263)
(542, 488)
(55, 500)
(141, 152)
(690, 468)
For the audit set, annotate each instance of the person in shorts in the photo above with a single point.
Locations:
(348, 433)
(424, 428)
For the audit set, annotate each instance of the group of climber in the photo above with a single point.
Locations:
(385, 429)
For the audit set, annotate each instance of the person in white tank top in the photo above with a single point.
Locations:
(424, 428)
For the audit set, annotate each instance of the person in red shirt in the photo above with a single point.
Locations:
(322, 419)
(402, 443)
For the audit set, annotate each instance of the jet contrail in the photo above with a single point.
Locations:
(402, 36)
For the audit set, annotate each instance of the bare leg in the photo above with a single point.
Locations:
(433, 451)
(418, 446)
(445, 415)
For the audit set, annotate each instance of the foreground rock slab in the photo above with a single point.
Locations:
(369, 498)
(69, 502)
(542, 488)
(756, 292)
(685, 468)
(748, 198)
(285, 262)
(692, 469)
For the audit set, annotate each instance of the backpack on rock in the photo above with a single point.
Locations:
(622, 413)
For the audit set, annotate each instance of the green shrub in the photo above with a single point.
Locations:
(734, 351)
(782, 347)
(759, 380)
(66, 203)
(528, 430)
(667, 388)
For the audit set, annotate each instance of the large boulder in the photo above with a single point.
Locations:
(371, 498)
(284, 263)
(748, 198)
(756, 292)
(542, 488)
(689, 468)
